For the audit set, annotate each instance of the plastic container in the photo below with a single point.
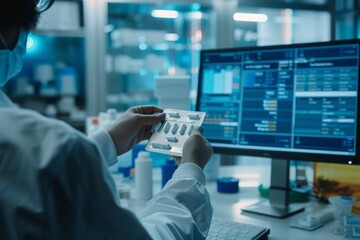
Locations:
(342, 206)
(167, 170)
(227, 185)
(94, 126)
(143, 176)
(112, 113)
(103, 118)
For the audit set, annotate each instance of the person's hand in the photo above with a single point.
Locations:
(134, 126)
(196, 150)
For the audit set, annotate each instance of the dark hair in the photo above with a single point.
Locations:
(22, 13)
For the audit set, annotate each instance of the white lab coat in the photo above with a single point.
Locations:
(55, 184)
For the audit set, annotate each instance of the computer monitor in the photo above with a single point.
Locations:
(285, 102)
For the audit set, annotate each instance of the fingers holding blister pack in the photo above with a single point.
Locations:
(169, 136)
(197, 149)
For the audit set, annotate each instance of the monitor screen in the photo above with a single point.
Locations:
(289, 101)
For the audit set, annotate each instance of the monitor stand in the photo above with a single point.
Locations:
(278, 205)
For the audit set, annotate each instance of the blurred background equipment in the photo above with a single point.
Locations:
(173, 91)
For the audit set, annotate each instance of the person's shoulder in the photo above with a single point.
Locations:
(27, 121)
(35, 137)
(26, 127)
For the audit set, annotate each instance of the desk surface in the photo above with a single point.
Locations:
(228, 207)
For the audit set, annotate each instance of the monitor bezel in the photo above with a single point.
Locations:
(314, 157)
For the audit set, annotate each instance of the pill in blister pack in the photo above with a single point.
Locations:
(169, 136)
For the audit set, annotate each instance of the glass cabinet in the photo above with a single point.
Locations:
(131, 43)
(140, 41)
(144, 41)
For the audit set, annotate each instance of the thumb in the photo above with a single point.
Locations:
(197, 130)
(152, 119)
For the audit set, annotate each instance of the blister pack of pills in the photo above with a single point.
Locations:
(170, 135)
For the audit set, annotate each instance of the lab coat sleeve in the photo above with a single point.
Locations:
(106, 146)
(93, 210)
(182, 210)
(55, 185)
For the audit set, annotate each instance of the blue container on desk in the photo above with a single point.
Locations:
(167, 170)
(227, 185)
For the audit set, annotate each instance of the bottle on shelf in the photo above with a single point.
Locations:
(111, 112)
(107, 118)
(93, 126)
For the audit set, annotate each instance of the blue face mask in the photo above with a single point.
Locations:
(10, 60)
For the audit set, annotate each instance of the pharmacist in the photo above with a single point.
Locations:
(54, 181)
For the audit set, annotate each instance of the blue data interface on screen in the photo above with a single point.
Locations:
(293, 99)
